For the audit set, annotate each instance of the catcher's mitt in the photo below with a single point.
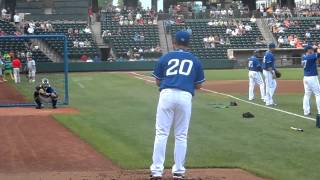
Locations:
(277, 73)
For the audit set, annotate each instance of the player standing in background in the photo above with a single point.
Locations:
(255, 77)
(1, 68)
(16, 64)
(7, 68)
(31, 65)
(310, 79)
(178, 74)
(269, 69)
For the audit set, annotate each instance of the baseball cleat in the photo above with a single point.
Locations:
(178, 176)
(307, 114)
(152, 177)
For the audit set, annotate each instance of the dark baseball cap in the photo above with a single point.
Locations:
(271, 45)
(308, 47)
(182, 37)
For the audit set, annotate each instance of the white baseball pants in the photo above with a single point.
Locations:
(174, 108)
(311, 85)
(255, 78)
(16, 75)
(271, 85)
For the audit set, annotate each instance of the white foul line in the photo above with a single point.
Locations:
(143, 77)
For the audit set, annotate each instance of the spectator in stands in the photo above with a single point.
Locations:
(253, 19)
(2, 33)
(228, 30)
(84, 58)
(280, 41)
(76, 43)
(16, 19)
(81, 44)
(121, 22)
(152, 49)
(87, 43)
(189, 30)
(307, 35)
(136, 37)
(158, 48)
(206, 42)
(30, 30)
(76, 31)
(247, 27)
(4, 13)
(125, 22)
(222, 42)
(104, 33)
(141, 37)
(87, 30)
(70, 31)
(17, 33)
(48, 26)
(138, 17)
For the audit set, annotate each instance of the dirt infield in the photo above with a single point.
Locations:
(8, 95)
(241, 86)
(34, 146)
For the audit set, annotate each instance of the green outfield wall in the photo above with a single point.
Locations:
(122, 66)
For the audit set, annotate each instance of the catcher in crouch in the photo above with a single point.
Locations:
(44, 93)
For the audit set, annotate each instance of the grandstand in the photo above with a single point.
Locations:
(74, 52)
(200, 30)
(122, 36)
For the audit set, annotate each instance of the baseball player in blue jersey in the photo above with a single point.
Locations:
(310, 79)
(269, 69)
(178, 74)
(255, 77)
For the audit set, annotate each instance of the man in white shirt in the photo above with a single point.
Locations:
(253, 19)
(30, 30)
(247, 27)
(81, 44)
(228, 31)
(308, 34)
(280, 40)
(31, 65)
(4, 13)
(87, 30)
(16, 19)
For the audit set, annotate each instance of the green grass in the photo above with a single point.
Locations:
(118, 115)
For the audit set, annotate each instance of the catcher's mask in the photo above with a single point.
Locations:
(45, 82)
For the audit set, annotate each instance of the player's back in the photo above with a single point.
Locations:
(179, 70)
(253, 64)
(309, 63)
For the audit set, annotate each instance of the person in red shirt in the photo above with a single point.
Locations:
(16, 64)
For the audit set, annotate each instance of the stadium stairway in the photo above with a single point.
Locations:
(49, 52)
(265, 30)
(163, 38)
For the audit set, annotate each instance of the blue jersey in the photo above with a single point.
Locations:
(268, 61)
(309, 62)
(179, 70)
(254, 64)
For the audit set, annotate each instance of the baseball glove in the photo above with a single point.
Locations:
(277, 73)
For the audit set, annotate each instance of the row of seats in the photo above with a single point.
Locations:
(305, 24)
(124, 41)
(200, 30)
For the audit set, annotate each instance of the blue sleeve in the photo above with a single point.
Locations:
(199, 73)
(270, 61)
(158, 71)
